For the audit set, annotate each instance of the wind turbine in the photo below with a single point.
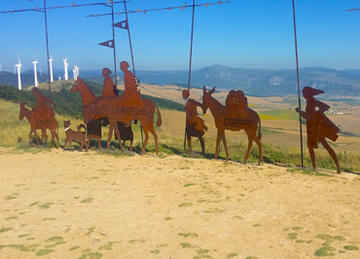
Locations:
(18, 68)
(51, 69)
(76, 72)
(66, 66)
(36, 83)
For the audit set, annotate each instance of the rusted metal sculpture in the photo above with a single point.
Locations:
(94, 127)
(35, 124)
(234, 116)
(318, 126)
(119, 109)
(195, 126)
(78, 136)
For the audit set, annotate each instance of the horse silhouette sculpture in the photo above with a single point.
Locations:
(118, 109)
(233, 117)
(35, 124)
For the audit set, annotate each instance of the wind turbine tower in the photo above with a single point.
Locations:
(36, 83)
(76, 72)
(51, 69)
(66, 66)
(18, 68)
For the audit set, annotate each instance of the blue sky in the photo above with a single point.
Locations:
(244, 33)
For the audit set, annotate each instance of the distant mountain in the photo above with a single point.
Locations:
(263, 82)
(257, 82)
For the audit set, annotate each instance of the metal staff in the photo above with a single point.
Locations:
(190, 62)
(298, 84)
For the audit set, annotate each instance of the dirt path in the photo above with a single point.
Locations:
(58, 204)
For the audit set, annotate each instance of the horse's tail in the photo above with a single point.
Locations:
(81, 126)
(259, 130)
(158, 122)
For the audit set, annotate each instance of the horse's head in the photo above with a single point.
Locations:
(86, 94)
(75, 87)
(22, 111)
(206, 98)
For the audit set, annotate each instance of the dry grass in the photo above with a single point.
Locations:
(280, 138)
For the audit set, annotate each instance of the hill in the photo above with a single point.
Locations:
(66, 102)
(257, 82)
(263, 82)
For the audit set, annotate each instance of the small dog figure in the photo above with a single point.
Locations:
(79, 136)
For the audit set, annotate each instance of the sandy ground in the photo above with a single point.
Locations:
(67, 204)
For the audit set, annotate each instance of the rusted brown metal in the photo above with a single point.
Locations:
(78, 136)
(195, 126)
(318, 125)
(235, 115)
(125, 108)
(43, 123)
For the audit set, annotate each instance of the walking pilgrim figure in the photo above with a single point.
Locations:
(42, 111)
(41, 117)
(195, 126)
(318, 126)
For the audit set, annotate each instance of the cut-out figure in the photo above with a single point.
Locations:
(42, 111)
(195, 126)
(250, 123)
(109, 88)
(131, 93)
(318, 126)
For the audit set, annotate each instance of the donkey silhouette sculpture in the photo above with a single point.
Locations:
(233, 117)
(115, 109)
(35, 124)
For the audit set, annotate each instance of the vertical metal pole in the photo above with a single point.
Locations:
(128, 29)
(298, 85)
(47, 44)
(132, 56)
(190, 63)
(114, 47)
(191, 43)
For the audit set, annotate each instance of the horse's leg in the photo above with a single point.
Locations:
(37, 138)
(30, 140)
(217, 144)
(258, 142)
(111, 128)
(226, 149)
(145, 140)
(152, 130)
(189, 143)
(331, 153)
(43, 136)
(250, 142)
(52, 140)
(202, 143)
(99, 142)
(117, 131)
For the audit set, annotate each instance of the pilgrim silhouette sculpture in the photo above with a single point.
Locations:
(42, 111)
(131, 93)
(109, 88)
(195, 126)
(318, 126)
